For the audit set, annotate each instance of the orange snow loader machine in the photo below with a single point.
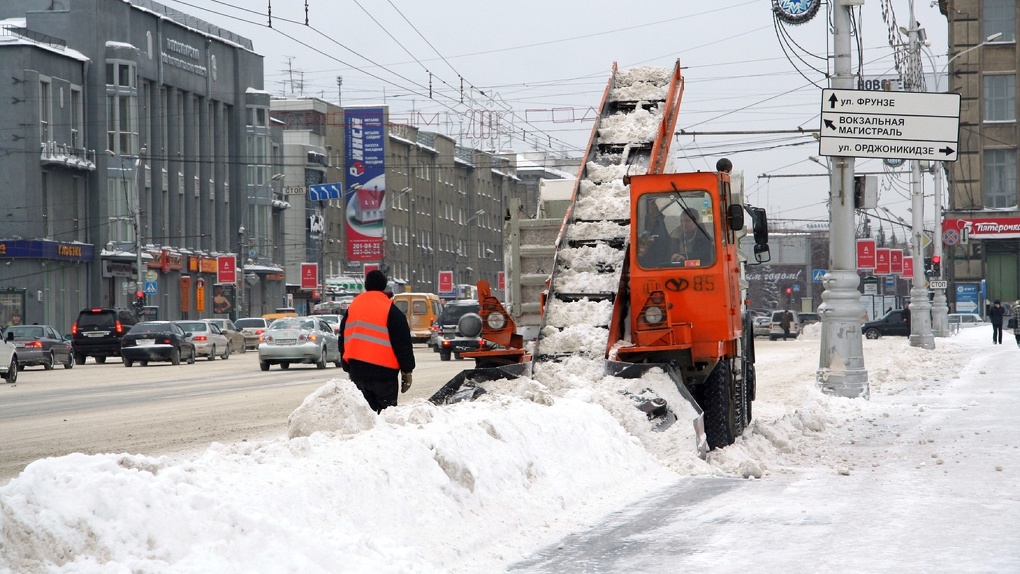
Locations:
(661, 278)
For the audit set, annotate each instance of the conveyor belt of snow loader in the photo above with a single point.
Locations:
(631, 136)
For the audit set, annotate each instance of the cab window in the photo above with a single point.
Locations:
(675, 229)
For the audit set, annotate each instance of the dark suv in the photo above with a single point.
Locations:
(449, 340)
(97, 333)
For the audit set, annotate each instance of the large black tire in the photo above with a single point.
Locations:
(100, 359)
(12, 371)
(321, 363)
(191, 357)
(444, 355)
(79, 358)
(212, 353)
(226, 353)
(723, 413)
(175, 356)
(51, 361)
(264, 365)
(872, 334)
(128, 363)
(70, 361)
(285, 365)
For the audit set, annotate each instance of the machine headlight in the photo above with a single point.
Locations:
(496, 321)
(654, 315)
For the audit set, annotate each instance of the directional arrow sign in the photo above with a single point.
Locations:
(890, 125)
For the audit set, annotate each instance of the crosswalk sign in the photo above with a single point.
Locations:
(150, 288)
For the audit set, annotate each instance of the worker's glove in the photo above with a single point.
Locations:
(405, 382)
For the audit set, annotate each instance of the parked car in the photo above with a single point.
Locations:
(156, 341)
(450, 341)
(298, 340)
(252, 327)
(40, 345)
(893, 323)
(209, 341)
(8, 359)
(809, 318)
(776, 329)
(966, 320)
(762, 324)
(98, 331)
(333, 320)
(232, 333)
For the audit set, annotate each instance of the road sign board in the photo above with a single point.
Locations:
(150, 288)
(905, 125)
(938, 284)
(818, 274)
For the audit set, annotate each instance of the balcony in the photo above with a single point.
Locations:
(54, 154)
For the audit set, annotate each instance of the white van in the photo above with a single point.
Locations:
(776, 330)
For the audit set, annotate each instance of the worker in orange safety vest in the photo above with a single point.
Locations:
(375, 344)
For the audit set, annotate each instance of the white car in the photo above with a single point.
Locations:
(8, 359)
(307, 340)
(966, 320)
(209, 341)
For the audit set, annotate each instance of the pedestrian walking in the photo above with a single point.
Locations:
(375, 344)
(785, 323)
(1015, 321)
(995, 315)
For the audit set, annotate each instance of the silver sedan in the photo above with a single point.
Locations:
(306, 340)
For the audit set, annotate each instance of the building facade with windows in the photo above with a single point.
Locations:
(981, 227)
(134, 125)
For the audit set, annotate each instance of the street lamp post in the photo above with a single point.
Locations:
(456, 257)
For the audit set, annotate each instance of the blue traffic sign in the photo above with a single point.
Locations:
(324, 191)
(817, 274)
(150, 288)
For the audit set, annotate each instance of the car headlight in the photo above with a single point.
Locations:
(496, 321)
(654, 315)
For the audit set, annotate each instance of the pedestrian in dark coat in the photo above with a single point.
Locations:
(785, 323)
(995, 315)
(1016, 321)
(375, 344)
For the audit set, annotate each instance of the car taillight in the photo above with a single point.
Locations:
(34, 344)
(259, 332)
(119, 328)
(199, 338)
(165, 341)
(74, 328)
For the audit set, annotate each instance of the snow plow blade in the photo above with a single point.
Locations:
(636, 370)
(468, 384)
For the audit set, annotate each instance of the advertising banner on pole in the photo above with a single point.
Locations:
(446, 289)
(365, 196)
(226, 269)
(908, 268)
(865, 253)
(881, 261)
(310, 276)
(896, 261)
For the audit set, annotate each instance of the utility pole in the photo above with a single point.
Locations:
(920, 307)
(841, 359)
(940, 307)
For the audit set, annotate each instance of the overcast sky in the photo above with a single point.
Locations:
(533, 71)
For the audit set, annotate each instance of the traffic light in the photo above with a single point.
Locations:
(139, 303)
(936, 266)
(928, 266)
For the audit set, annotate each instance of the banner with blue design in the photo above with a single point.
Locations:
(365, 196)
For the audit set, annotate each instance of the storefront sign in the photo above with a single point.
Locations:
(41, 249)
(984, 227)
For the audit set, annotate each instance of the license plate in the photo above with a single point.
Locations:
(145, 342)
(286, 341)
(96, 334)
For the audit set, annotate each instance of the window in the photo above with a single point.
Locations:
(999, 16)
(77, 128)
(44, 111)
(121, 107)
(999, 182)
(999, 97)
(676, 230)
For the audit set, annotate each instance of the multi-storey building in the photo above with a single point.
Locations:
(982, 222)
(130, 125)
